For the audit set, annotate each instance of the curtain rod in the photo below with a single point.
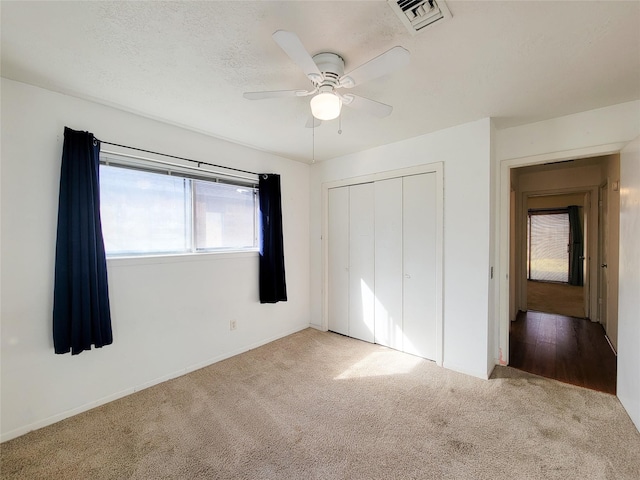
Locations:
(180, 158)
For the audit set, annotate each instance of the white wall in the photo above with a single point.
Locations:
(629, 282)
(603, 126)
(493, 327)
(170, 314)
(465, 152)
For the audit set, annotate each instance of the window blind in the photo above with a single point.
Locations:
(548, 246)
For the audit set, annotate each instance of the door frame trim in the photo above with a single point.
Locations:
(438, 169)
(502, 245)
(603, 288)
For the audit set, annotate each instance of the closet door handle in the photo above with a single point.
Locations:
(406, 275)
(604, 265)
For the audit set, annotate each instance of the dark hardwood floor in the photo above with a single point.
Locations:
(568, 349)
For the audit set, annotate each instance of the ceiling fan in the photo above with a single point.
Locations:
(326, 72)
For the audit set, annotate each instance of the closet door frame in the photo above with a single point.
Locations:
(436, 168)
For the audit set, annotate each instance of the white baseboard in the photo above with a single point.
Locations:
(318, 327)
(473, 373)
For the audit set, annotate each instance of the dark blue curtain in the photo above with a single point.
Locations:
(576, 247)
(273, 287)
(81, 315)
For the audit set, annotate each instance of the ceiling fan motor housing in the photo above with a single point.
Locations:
(332, 67)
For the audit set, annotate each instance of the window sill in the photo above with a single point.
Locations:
(179, 257)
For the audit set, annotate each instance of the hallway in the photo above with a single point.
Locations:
(568, 349)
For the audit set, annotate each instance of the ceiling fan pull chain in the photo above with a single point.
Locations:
(313, 142)
(340, 124)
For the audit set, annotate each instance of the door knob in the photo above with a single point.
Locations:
(604, 265)
(406, 275)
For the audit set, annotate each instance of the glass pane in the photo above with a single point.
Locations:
(144, 212)
(224, 216)
(549, 247)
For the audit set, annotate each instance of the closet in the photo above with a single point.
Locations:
(382, 262)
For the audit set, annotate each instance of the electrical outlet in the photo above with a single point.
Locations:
(233, 324)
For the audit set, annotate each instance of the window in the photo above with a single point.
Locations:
(548, 245)
(146, 213)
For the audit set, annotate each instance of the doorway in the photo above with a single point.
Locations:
(557, 326)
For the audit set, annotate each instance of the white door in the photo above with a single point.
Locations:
(419, 195)
(361, 262)
(382, 265)
(338, 260)
(388, 263)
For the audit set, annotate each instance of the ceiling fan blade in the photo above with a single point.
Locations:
(292, 46)
(277, 94)
(383, 64)
(313, 122)
(372, 107)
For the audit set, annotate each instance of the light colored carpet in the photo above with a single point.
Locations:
(558, 298)
(318, 405)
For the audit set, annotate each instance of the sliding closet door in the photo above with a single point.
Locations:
(361, 262)
(388, 263)
(419, 264)
(338, 260)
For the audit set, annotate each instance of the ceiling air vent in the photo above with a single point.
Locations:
(419, 14)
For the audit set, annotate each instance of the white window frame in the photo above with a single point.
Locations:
(191, 173)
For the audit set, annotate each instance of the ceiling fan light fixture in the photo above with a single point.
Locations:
(326, 106)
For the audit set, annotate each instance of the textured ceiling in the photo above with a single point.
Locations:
(188, 63)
